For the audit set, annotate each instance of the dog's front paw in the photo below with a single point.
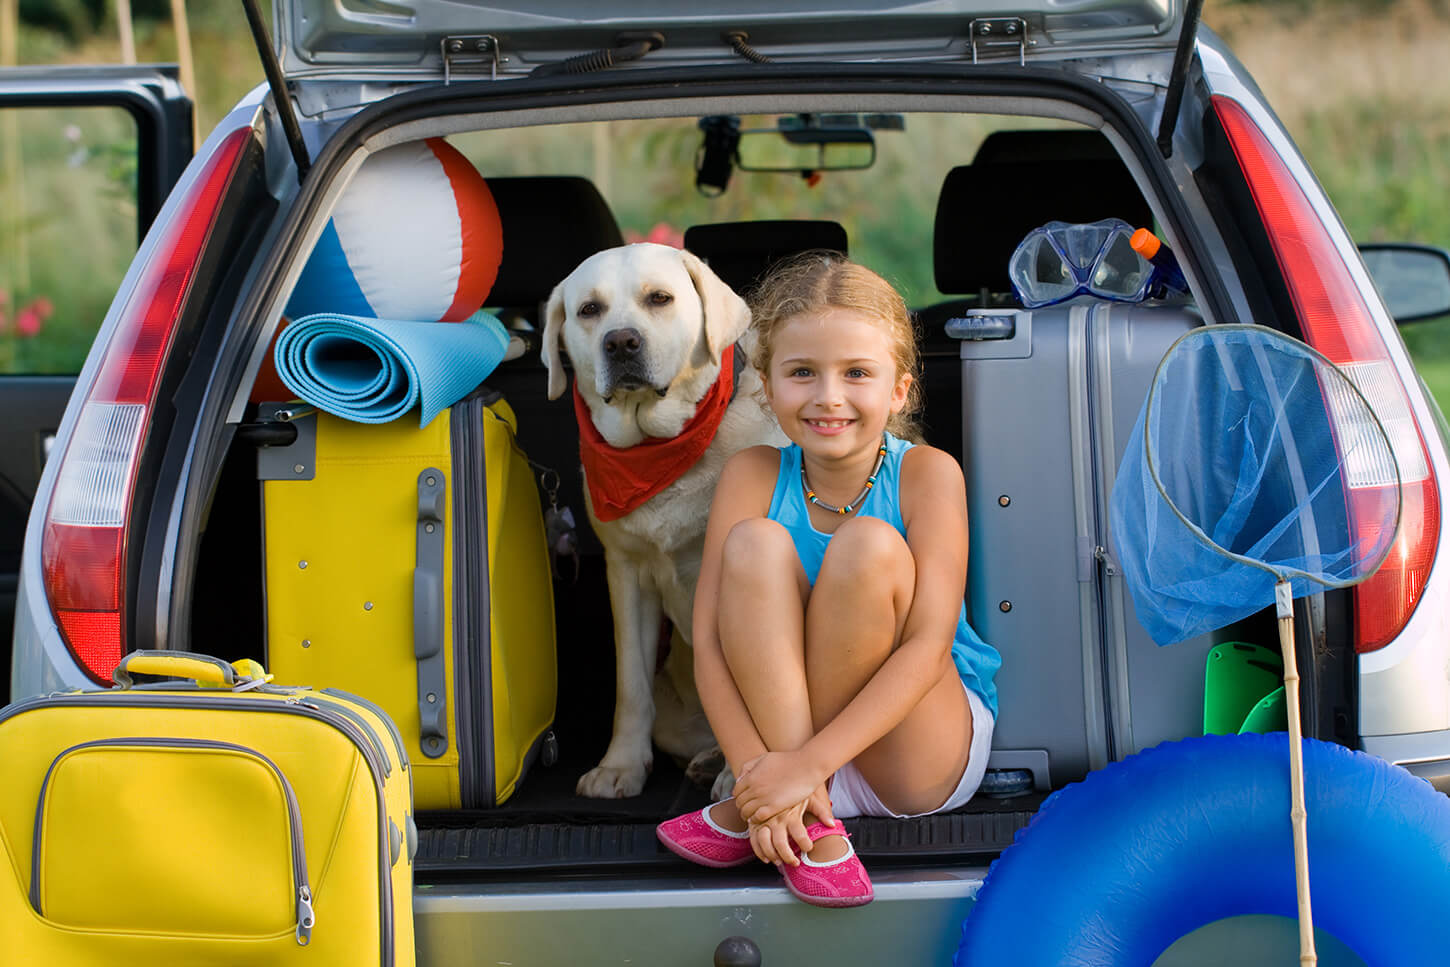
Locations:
(610, 782)
(705, 767)
(724, 786)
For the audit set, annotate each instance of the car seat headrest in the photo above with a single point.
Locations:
(741, 252)
(550, 225)
(1020, 180)
(1076, 144)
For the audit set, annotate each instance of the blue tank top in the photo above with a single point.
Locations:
(976, 661)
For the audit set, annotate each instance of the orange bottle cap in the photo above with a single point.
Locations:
(1145, 243)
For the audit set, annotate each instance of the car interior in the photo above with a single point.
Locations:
(1008, 180)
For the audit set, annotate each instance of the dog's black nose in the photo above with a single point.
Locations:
(622, 344)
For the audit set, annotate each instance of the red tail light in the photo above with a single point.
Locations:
(83, 547)
(1337, 321)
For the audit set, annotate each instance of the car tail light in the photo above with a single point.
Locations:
(83, 545)
(1336, 320)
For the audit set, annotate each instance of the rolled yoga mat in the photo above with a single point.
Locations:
(376, 370)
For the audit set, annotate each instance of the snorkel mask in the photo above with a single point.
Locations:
(1058, 261)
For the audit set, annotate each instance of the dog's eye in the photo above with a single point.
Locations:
(589, 309)
(660, 298)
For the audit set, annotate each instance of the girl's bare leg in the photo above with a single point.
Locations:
(854, 621)
(763, 590)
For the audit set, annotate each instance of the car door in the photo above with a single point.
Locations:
(87, 156)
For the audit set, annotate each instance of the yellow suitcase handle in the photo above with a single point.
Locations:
(202, 669)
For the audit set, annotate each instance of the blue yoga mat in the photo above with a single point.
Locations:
(375, 370)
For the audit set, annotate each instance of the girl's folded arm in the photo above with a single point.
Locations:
(742, 492)
(934, 510)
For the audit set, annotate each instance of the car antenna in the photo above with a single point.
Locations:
(278, 84)
(1178, 79)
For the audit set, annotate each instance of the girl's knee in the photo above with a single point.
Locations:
(754, 545)
(867, 545)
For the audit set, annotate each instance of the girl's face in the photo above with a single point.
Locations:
(832, 381)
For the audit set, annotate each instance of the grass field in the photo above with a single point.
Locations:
(1360, 85)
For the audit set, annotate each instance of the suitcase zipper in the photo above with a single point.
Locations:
(1105, 652)
(362, 724)
(305, 915)
(377, 710)
(291, 704)
(472, 647)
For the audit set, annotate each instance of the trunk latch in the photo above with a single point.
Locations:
(990, 32)
(471, 52)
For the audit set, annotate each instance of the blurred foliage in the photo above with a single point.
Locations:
(67, 231)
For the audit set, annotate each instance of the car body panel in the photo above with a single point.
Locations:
(34, 404)
(41, 662)
(355, 38)
(915, 919)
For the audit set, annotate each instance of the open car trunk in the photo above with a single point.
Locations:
(1039, 423)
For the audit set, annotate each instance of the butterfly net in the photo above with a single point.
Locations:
(1254, 460)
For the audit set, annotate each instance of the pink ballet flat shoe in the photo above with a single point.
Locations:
(699, 839)
(839, 883)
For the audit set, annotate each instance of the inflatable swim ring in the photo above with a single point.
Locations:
(1114, 869)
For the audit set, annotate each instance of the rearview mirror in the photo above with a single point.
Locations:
(1413, 279)
(806, 148)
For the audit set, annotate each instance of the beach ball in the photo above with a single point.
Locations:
(416, 236)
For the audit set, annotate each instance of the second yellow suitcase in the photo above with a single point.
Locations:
(409, 565)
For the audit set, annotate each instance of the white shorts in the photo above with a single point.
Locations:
(852, 795)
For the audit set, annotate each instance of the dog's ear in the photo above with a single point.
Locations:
(726, 314)
(553, 332)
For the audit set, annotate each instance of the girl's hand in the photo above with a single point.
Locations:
(778, 838)
(773, 782)
(783, 837)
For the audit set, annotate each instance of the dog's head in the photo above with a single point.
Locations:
(639, 320)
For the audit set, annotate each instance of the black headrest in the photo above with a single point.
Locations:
(986, 208)
(1068, 144)
(550, 225)
(741, 252)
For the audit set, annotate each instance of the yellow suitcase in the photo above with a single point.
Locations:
(409, 565)
(219, 820)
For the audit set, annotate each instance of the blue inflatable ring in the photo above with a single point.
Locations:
(1114, 869)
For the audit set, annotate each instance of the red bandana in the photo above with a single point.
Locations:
(620, 480)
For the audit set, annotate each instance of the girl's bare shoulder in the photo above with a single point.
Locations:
(748, 480)
(752, 463)
(926, 466)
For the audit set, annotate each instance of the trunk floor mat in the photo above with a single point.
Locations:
(454, 844)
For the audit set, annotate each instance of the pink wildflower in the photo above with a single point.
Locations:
(665, 234)
(27, 321)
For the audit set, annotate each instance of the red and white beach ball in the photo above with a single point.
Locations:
(416, 236)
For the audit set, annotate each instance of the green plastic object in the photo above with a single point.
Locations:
(1269, 715)
(1237, 675)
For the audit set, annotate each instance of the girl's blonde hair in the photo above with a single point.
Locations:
(814, 281)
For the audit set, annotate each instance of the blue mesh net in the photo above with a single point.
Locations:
(1254, 460)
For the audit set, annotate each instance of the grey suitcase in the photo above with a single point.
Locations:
(1081, 682)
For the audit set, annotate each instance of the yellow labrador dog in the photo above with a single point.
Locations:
(651, 331)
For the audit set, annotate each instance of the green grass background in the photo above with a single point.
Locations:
(1361, 85)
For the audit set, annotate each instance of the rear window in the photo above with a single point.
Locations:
(645, 169)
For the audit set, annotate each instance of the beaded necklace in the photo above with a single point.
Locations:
(845, 509)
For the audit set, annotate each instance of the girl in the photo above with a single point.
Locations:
(832, 651)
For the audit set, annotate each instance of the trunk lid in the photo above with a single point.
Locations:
(428, 39)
